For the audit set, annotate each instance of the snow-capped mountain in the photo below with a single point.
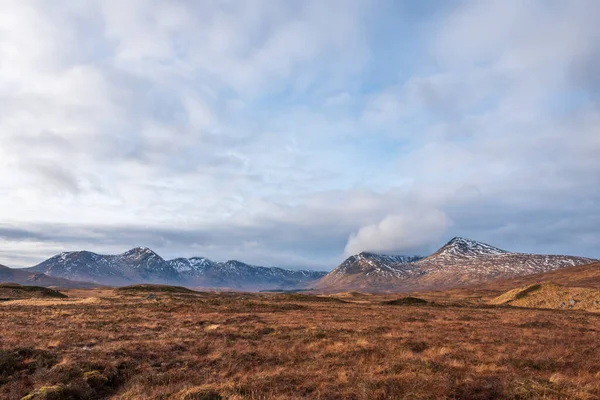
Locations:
(236, 274)
(461, 262)
(370, 263)
(142, 265)
(462, 249)
(27, 278)
(368, 270)
(136, 265)
(194, 265)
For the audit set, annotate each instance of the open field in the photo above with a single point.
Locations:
(121, 345)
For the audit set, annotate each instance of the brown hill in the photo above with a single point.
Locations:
(9, 291)
(551, 295)
(153, 288)
(13, 275)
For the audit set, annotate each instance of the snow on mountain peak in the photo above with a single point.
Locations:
(138, 253)
(140, 249)
(367, 262)
(460, 247)
(194, 264)
(459, 262)
(141, 264)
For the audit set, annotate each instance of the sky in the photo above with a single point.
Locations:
(298, 133)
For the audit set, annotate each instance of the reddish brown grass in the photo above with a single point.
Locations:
(267, 346)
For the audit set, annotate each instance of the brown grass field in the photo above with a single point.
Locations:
(105, 344)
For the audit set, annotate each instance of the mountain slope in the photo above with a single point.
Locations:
(38, 279)
(462, 249)
(461, 262)
(142, 265)
(587, 276)
(367, 271)
(136, 265)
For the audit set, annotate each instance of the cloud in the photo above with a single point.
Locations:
(273, 131)
(399, 233)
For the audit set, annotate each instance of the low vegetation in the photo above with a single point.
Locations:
(146, 288)
(9, 291)
(550, 295)
(289, 346)
(406, 301)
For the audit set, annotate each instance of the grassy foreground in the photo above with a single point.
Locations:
(97, 345)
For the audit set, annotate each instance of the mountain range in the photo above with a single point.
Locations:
(461, 262)
(142, 265)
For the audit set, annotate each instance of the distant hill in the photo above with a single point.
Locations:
(461, 262)
(9, 291)
(147, 288)
(23, 277)
(142, 265)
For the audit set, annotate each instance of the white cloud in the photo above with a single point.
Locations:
(214, 125)
(405, 233)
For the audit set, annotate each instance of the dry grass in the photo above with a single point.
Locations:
(50, 302)
(550, 295)
(281, 346)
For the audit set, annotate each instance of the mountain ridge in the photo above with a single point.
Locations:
(585, 275)
(142, 265)
(460, 262)
(460, 248)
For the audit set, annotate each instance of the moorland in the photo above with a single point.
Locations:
(146, 342)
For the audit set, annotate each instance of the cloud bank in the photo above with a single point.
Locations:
(295, 134)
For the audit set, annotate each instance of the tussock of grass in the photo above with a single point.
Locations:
(205, 392)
